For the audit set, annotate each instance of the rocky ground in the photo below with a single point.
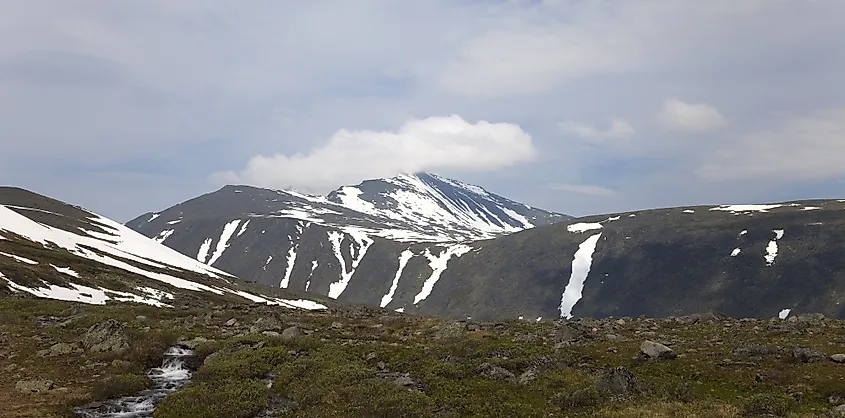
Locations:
(259, 361)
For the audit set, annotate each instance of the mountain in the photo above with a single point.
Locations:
(53, 250)
(742, 260)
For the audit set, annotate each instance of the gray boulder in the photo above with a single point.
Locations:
(657, 351)
(105, 337)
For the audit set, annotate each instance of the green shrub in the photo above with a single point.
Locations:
(768, 403)
(246, 364)
(234, 399)
(118, 386)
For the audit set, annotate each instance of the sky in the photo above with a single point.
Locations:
(576, 106)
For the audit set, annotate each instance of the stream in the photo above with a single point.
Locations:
(170, 377)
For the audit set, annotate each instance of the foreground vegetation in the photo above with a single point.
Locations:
(267, 361)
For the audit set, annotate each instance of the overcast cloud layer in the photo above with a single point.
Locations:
(579, 106)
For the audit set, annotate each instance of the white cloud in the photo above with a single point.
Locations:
(583, 189)
(800, 148)
(431, 144)
(691, 118)
(619, 129)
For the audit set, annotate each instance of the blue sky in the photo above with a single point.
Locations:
(580, 106)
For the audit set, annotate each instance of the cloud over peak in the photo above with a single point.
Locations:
(431, 144)
(689, 118)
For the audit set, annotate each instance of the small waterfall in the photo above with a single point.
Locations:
(170, 377)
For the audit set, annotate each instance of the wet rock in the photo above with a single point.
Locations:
(494, 372)
(34, 386)
(105, 337)
(617, 382)
(657, 351)
(291, 333)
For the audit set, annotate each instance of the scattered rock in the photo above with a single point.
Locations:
(120, 364)
(192, 344)
(655, 350)
(563, 333)
(337, 325)
(494, 372)
(754, 350)
(105, 336)
(838, 358)
(211, 358)
(267, 323)
(232, 322)
(140, 318)
(271, 334)
(808, 355)
(527, 377)
(60, 349)
(34, 386)
(291, 333)
(450, 330)
(405, 381)
(617, 382)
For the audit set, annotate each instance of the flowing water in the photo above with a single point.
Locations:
(170, 377)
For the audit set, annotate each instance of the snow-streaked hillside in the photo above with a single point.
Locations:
(67, 236)
(319, 244)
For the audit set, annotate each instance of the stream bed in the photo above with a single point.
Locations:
(173, 375)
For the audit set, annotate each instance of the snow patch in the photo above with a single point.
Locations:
(438, 265)
(174, 222)
(746, 208)
(202, 255)
(403, 261)
(223, 243)
(336, 238)
(266, 263)
(160, 238)
(811, 208)
(243, 227)
(784, 313)
(80, 293)
(19, 259)
(735, 252)
(689, 211)
(291, 259)
(744, 231)
(153, 217)
(583, 227)
(400, 310)
(66, 270)
(581, 264)
(772, 248)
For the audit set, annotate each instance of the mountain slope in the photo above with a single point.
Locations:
(54, 250)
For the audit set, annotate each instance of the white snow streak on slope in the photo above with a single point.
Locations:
(689, 211)
(517, 217)
(735, 252)
(223, 243)
(66, 270)
(349, 198)
(744, 231)
(400, 310)
(811, 208)
(313, 267)
(784, 313)
(79, 293)
(581, 263)
(438, 265)
(21, 259)
(746, 208)
(164, 235)
(129, 245)
(583, 227)
(202, 255)
(403, 261)
(291, 259)
(299, 303)
(174, 222)
(243, 227)
(269, 259)
(613, 218)
(153, 217)
(336, 238)
(772, 248)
